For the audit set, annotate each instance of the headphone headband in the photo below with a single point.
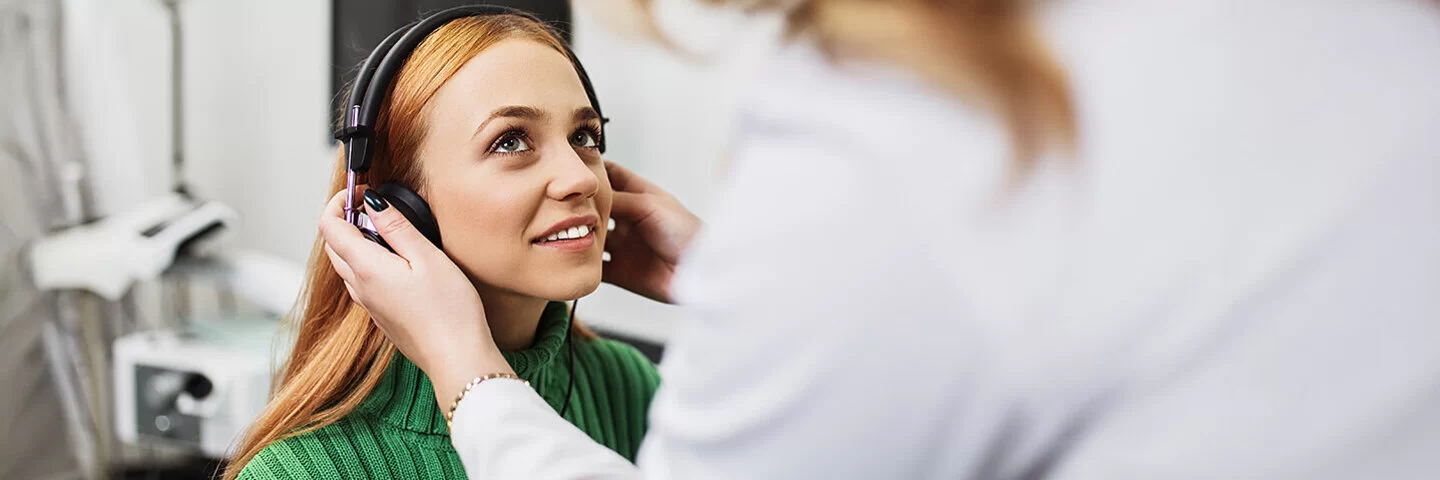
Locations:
(368, 93)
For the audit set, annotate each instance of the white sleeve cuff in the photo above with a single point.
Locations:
(503, 429)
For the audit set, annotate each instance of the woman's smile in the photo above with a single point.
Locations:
(571, 235)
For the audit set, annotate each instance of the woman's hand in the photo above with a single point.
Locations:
(421, 300)
(652, 230)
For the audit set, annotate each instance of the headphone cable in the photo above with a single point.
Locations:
(570, 345)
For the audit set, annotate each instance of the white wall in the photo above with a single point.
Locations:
(258, 115)
(116, 82)
(257, 93)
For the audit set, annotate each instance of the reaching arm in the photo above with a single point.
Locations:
(810, 350)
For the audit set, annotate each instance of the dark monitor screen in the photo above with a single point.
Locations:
(359, 25)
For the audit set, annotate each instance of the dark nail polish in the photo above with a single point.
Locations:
(375, 201)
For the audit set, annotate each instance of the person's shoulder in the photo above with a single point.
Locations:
(621, 359)
(294, 457)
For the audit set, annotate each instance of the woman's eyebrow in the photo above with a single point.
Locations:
(523, 112)
(584, 114)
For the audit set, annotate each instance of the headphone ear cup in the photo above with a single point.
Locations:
(414, 208)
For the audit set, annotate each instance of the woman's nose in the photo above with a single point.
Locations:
(572, 178)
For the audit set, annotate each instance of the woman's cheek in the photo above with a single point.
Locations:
(484, 236)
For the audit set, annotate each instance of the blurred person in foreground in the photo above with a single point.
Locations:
(1003, 239)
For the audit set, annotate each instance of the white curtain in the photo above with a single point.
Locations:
(37, 142)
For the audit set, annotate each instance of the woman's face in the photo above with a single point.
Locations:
(513, 172)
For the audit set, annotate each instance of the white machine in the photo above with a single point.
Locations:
(197, 389)
(197, 384)
(110, 255)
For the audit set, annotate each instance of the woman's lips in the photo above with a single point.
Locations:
(568, 228)
(570, 240)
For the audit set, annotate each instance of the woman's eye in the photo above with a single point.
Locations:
(583, 139)
(511, 144)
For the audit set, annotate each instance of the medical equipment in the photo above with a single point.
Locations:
(196, 388)
(108, 256)
(194, 385)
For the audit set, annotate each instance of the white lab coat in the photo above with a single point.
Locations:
(1237, 277)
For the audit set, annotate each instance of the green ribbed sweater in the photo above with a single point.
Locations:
(399, 432)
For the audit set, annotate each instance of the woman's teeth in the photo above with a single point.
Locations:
(569, 233)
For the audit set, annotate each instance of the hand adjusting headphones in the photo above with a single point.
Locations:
(363, 108)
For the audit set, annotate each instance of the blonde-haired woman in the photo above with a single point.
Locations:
(1006, 239)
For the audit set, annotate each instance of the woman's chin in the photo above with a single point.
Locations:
(560, 284)
(570, 290)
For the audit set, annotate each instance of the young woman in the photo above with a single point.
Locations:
(487, 120)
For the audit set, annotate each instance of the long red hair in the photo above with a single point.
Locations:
(339, 355)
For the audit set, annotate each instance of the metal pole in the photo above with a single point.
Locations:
(66, 369)
(177, 94)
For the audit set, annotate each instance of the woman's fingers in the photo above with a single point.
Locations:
(634, 267)
(621, 268)
(362, 256)
(396, 229)
(633, 264)
(335, 210)
(354, 296)
(341, 268)
(631, 207)
(336, 206)
(624, 180)
(618, 242)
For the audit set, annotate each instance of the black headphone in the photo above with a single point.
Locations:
(363, 108)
